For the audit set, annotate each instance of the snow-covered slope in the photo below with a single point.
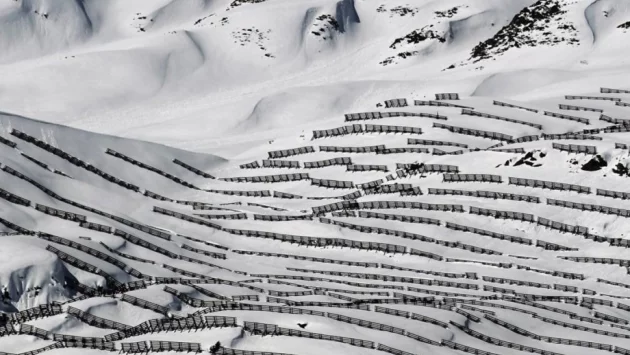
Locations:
(349, 176)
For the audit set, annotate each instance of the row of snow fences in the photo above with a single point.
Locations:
(281, 218)
(339, 131)
(438, 103)
(193, 169)
(121, 265)
(334, 149)
(614, 91)
(447, 96)
(359, 168)
(61, 214)
(270, 178)
(571, 136)
(580, 259)
(549, 185)
(328, 162)
(143, 243)
(371, 128)
(621, 146)
(621, 103)
(158, 197)
(290, 293)
(474, 132)
(579, 108)
(379, 115)
(344, 214)
(472, 177)
(582, 328)
(432, 142)
(400, 218)
(608, 317)
(150, 168)
(34, 331)
(45, 166)
(332, 184)
(265, 206)
(403, 150)
(624, 127)
(567, 117)
(157, 346)
(390, 189)
(272, 329)
(252, 165)
(509, 150)
(553, 246)
(112, 283)
(562, 227)
(380, 327)
(500, 118)
(41, 311)
(228, 351)
(607, 118)
(299, 257)
(575, 148)
(429, 168)
(505, 104)
(589, 207)
(290, 152)
(7, 142)
(464, 348)
(354, 205)
(185, 217)
(255, 193)
(396, 103)
(467, 275)
(499, 342)
(441, 152)
(389, 278)
(145, 304)
(530, 138)
(604, 98)
(72, 341)
(15, 198)
(291, 164)
(286, 195)
(515, 282)
(74, 160)
(96, 227)
(319, 242)
(525, 217)
(554, 340)
(146, 229)
(223, 216)
(399, 313)
(370, 184)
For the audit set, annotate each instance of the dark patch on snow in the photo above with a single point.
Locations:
(414, 37)
(447, 13)
(595, 164)
(621, 170)
(399, 11)
(542, 23)
(326, 26)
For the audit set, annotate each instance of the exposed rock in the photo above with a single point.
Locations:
(542, 23)
(595, 164)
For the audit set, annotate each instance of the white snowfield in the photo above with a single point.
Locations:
(312, 177)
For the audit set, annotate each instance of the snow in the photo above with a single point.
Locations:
(217, 84)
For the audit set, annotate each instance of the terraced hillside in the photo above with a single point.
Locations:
(430, 226)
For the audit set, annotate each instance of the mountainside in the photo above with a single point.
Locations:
(203, 66)
(275, 177)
